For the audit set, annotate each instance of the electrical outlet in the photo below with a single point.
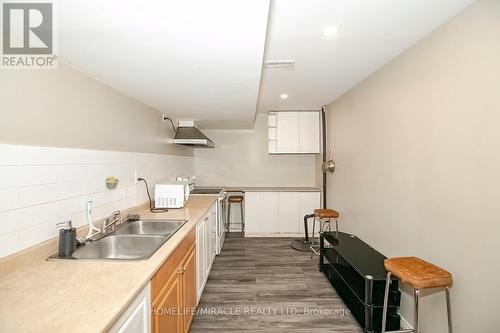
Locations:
(135, 176)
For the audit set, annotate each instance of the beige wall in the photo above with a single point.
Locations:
(240, 158)
(417, 147)
(65, 108)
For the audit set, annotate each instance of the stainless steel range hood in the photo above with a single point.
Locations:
(188, 135)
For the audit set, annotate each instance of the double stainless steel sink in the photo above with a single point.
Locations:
(131, 241)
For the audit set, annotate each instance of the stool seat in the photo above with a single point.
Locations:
(235, 198)
(418, 273)
(326, 213)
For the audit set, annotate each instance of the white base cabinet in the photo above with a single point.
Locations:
(137, 318)
(278, 213)
(200, 258)
(261, 212)
(206, 250)
(288, 212)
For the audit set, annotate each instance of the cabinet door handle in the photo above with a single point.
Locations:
(181, 270)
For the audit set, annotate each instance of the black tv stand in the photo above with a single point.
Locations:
(356, 271)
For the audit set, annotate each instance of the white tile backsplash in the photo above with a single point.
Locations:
(9, 199)
(41, 186)
(37, 234)
(102, 198)
(31, 155)
(132, 201)
(72, 205)
(13, 176)
(18, 219)
(131, 191)
(94, 185)
(8, 154)
(34, 195)
(69, 173)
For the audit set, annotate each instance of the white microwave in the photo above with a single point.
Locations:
(171, 195)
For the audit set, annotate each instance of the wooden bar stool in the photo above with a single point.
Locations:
(419, 274)
(324, 216)
(235, 199)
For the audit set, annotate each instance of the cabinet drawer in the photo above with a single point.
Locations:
(170, 266)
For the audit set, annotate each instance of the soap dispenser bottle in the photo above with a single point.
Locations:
(67, 239)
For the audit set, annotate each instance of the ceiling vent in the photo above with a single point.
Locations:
(279, 64)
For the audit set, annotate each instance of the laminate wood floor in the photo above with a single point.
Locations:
(263, 285)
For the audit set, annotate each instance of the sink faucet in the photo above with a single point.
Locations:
(111, 222)
(93, 230)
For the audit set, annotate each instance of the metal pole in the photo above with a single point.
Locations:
(321, 247)
(369, 303)
(306, 229)
(417, 296)
(448, 309)
(323, 129)
(386, 301)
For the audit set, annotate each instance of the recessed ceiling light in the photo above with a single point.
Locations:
(284, 96)
(330, 31)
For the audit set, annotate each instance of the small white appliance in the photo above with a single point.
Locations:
(171, 194)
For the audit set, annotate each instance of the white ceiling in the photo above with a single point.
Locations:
(370, 34)
(202, 60)
(192, 59)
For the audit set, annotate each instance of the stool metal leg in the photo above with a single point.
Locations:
(337, 227)
(312, 236)
(417, 296)
(448, 309)
(314, 230)
(386, 300)
(229, 217)
(242, 221)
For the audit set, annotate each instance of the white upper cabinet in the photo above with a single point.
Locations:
(287, 132)
(294, 132)
(309, 131)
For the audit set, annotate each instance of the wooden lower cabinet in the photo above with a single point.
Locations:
(173, 290)
(189, 283)
(165, 312)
